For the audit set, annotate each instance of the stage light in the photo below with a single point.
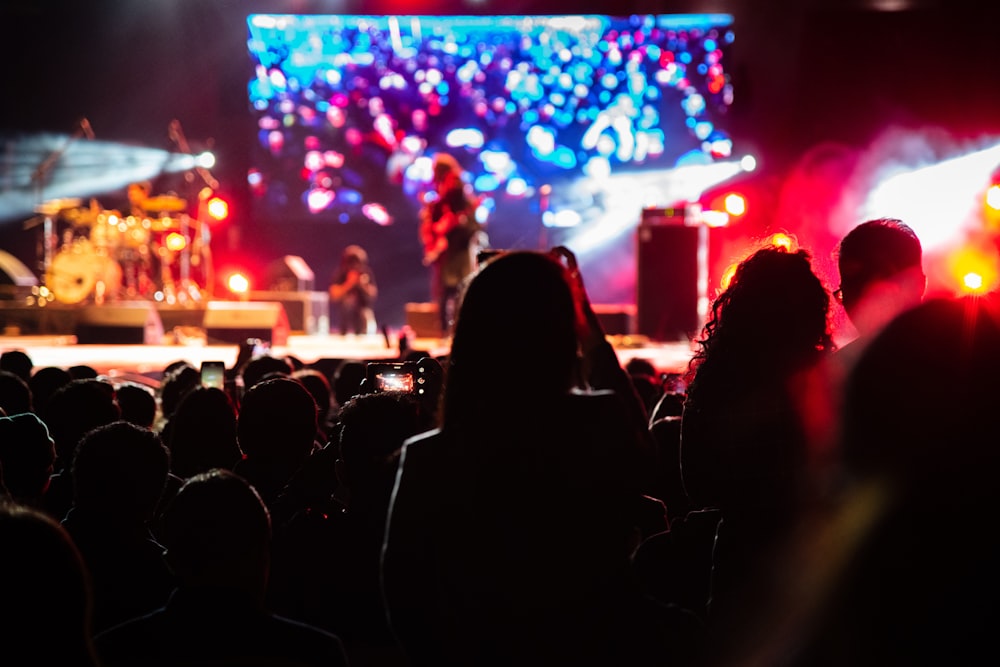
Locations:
(973, 282)
(175, 242)
(205, 160)
(993, 197)
(238, 284)
(217, 208)
(735, 204)
(975, 270)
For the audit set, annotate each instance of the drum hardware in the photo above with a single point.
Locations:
(163, 204)
(79, 271)
(55, 207)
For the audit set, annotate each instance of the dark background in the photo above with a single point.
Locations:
(806, 74)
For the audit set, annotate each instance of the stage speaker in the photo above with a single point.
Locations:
(235, 321)
(617, 319)
(308, 312)
(126, 323)
(667, 280)
(423, 319)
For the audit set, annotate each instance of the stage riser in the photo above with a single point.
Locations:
(147, 323)
(617, 319)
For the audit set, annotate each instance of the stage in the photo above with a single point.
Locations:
(144, 363)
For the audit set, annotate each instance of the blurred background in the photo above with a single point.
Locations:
(659, 140)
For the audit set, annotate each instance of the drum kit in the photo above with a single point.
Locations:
(105, 255)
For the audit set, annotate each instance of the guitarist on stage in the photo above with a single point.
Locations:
(451, 236)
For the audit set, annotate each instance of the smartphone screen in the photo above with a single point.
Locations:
(213, 374)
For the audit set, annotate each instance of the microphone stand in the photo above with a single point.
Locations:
(38, 178)
(201, 234)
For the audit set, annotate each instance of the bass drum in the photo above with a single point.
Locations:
(78, 272)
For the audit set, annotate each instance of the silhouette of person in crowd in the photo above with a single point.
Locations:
(881, 274)
(902, 569)
(27, 456)
(510, 529)
(15, 394)
(276, 429)
(339, 507)
(119, 474)
(43, 384)
(76, 408)
(47, 600)
(217, 534)
(137, 404)
(744, 428)
(203, 433)
(318, 385)
(17, 362)
(354, 290)
(451, 236)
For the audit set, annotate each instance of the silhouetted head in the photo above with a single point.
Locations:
(83, 372)
(880, 272)
(319, 386)
(773, 318)
(264, 366)
(137, 403)
(277, 422)
(515, 336)
(27, 455)
(181, 379)
(75, 409)
(876, 250)
(217, 533)
(347, 380)
(15, 394)
(17, 362)
(120, 470)
(45, 382)
(47, 599)
(203, 433)
(372, 429)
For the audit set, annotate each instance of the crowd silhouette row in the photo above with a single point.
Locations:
(535, 501)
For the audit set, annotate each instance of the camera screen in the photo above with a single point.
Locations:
(213, 374)
(394, 381)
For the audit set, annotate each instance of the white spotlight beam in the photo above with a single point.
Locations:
(85, 169)
(625, 195)
(939, 201)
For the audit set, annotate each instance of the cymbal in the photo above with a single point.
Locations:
(164, 203)
(55, 206)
